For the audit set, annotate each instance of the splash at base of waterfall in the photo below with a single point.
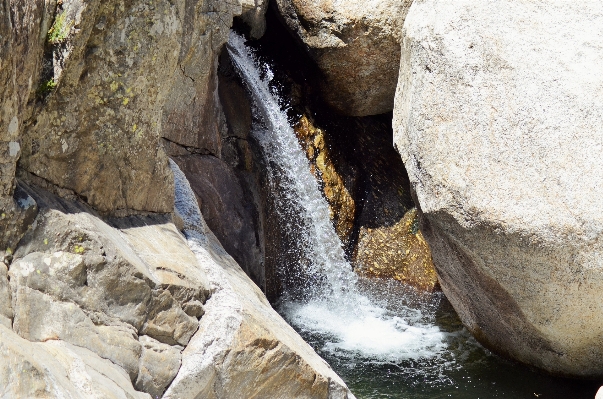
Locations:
(360, 328)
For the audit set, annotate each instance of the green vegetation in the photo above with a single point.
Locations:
(60, 29)
(46, 88)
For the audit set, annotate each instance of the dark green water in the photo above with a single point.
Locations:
(464, 370)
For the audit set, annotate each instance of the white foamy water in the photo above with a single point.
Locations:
(350, 323)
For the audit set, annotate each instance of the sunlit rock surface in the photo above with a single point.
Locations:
(498, 120)
(369, 203)
(341, 202)
(243, 348)
(399, 252)
(103, 81)
(356, 46)
(56, 369)
(96, 125)
(76, 279)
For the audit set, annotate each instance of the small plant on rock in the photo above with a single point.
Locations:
(46, 88)
(59, 31)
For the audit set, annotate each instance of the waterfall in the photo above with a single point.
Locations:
(347, 320)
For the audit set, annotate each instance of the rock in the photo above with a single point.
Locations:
(96, 129)
(161, 246)
(356, 46)
(236, 150)
(40, 318)
(254, 15)
(167, 322)
(194, 309)
(191, 114)
(21, 48)
(498, 122)
(399, 252)
(78, 279)
(364, 182)
(6, 310)
(159, 364)
(17, 213)
(59, 370)
(341, 202)
(243, 348)
(226, 208)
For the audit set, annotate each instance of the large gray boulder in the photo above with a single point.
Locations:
(356, 46)
(499, 122)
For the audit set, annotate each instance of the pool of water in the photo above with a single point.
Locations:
(426, 354)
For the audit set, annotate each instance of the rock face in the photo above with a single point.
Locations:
(498, 120)
(229, 213)
(243, 348)
(20, 61)
(104, 145)
(356, 46)
(253, 15)
(191, 114)
(398, 251)
(57, 369)
(127, 295)
(364, 182)
(341, 202)
(147, 70)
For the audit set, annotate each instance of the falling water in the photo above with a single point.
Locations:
(349, 321)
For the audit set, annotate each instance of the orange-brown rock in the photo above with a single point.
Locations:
(378, 222)
(341, 202)
(399, 252)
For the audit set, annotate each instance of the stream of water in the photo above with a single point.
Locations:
(386, 340)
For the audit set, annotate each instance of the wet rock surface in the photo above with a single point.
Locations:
(227, 209)
(369, 201)
(498, 127)
(341, 202)
(243, 348)
(399, 252)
